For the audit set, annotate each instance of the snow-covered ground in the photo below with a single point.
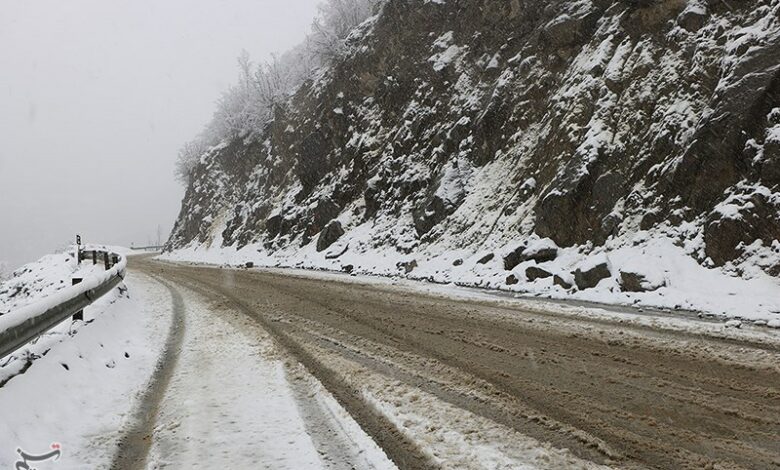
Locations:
(83, 388)
(674, 279)
(42, 278)
(35, 287)
(233, 400)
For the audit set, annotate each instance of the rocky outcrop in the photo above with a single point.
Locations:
(484, 125)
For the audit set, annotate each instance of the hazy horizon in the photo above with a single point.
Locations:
(98, 97)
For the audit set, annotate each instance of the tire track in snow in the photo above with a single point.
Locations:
(134, 445)
(657, 398)
(401, 449)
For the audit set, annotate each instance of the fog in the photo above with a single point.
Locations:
(96, 98)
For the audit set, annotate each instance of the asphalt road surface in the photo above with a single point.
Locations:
(611, 392)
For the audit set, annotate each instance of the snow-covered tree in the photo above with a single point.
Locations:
(336, 20)
(247, 106)
(188, 158)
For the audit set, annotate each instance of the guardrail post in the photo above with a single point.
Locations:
(80, 314)
(94, 257)
(106, 261)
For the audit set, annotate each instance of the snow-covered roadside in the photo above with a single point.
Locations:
(670, 276)
(39, 279)
(42, 284)
(230, 403)
(81, 392)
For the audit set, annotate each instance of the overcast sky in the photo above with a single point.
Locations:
(97, 96)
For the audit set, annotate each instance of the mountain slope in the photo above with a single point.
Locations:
(572, 128)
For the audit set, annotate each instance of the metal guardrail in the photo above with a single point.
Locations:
(25, 324)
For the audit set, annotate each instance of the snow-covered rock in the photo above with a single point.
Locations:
(645, 130)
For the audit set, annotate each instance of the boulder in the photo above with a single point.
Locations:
(542, 255)
(559, 281)
(249, 265)
(485, 259)
(329, 235)
(591, 277)
(523, 253)
(514, 258)
(347, 268)
(457, 262)
(511, 280)
(533, 273)
(635, 282)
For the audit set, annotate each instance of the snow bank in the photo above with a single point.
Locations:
(672, 277)
(50, 274)
(52, 291)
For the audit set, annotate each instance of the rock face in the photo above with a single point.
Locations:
(478, 124)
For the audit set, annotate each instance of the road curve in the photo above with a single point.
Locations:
(617, 394)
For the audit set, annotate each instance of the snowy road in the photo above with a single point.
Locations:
(450, 383)
(224, 396)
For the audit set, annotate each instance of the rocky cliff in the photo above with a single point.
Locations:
(512, 127)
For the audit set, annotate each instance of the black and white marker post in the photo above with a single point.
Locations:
(78, 249)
